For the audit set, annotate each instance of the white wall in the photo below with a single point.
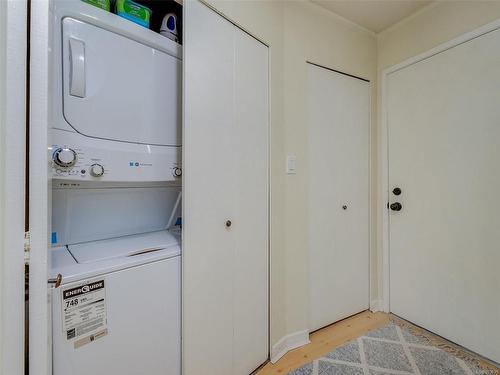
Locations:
(433, 25)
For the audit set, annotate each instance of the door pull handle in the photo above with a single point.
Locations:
(77, 68)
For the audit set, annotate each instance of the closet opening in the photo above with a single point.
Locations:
(115, 156)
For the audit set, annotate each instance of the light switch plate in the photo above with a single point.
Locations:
(291, 164)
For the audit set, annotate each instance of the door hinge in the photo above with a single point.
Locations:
(27, 247)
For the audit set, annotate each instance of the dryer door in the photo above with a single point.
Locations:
(119, 89)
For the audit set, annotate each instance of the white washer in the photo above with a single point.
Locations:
(131, 322)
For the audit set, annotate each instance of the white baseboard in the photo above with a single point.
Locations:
(375, 305)
(379, 305)
(289, 342)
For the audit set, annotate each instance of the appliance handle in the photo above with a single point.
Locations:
(77, 68)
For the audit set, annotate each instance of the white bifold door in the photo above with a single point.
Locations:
(338, 192)
(444, 156)
(225, 220)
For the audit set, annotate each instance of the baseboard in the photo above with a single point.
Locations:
(375, 305)
(287, 343)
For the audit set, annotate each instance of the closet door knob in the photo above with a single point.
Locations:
(344, 207)
(228, 223)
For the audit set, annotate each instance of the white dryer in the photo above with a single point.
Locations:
(116, 103)
(118, 310)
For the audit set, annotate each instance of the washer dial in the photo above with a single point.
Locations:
(64, 157)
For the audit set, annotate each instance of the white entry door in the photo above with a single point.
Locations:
(338, 190)
(225, 218)
(444, 154)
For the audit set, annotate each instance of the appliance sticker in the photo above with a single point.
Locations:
(84, 311)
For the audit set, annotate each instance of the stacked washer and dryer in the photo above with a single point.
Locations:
(116, 195)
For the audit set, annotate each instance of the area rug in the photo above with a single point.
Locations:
(397, 349)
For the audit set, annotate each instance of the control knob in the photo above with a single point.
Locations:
(64, 157)
(96, 170)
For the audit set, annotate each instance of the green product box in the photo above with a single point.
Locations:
(103, 4)
(134, 12)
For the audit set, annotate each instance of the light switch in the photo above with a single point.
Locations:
(291, 164)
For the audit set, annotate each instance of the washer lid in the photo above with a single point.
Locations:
(127, 246)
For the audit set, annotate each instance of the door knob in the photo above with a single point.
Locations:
(396, 191)
(396, 206)
(228, 223)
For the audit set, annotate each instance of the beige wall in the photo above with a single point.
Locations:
(311, 34)
(435, 24)
(296, 31)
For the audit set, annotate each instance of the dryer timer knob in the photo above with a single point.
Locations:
(177, 172)
(64, 157)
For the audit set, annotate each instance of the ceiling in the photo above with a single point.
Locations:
(374, 15)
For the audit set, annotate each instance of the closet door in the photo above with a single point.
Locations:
(338, 159)
(251, 204)
(225, 239)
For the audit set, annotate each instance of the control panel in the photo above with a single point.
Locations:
(72, 163)
(74, 157)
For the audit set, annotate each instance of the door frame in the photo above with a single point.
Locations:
(384, 195)
(14, 19)
(40, 340)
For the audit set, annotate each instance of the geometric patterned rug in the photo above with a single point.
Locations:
(393, 349)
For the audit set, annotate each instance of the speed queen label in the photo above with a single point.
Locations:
(84, 309)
